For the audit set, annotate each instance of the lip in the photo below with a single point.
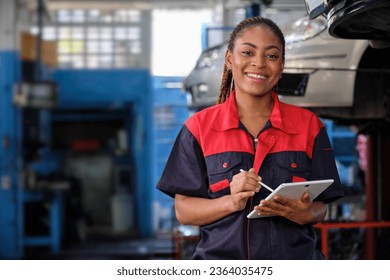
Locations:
(256, 76)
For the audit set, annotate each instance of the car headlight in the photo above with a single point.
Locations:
(304, 29)
(208, 58)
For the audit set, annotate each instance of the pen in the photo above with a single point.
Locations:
(261, 183)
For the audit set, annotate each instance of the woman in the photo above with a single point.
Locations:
(250, 129)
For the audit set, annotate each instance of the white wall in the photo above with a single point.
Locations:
(176, 40)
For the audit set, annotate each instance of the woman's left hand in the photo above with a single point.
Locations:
(302, 211)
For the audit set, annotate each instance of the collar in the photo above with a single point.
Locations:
(228, 116)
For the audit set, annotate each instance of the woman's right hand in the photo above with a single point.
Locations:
(203, 211)
(243, 186)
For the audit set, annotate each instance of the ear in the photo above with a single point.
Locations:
(281, 72)
(228, 59)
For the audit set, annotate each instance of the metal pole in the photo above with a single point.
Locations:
(40, 14)
(253, 10)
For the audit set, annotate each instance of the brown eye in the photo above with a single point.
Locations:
(247, 53)
(273, 56)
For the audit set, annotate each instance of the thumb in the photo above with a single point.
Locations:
(252, 170)
(306, 197)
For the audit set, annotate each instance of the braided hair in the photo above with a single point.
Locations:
(227, 83)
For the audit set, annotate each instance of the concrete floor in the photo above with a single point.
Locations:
(105, 249)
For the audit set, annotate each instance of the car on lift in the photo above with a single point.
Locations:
(359, 19)
(362, 20)
(341, 79)
(202, 84)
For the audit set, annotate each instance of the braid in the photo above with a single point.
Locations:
(227, 83)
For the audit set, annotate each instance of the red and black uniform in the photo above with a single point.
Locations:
(213, 146)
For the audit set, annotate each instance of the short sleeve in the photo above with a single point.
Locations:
(185, 171)
(324, 167)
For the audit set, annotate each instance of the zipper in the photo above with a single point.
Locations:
(248, 230)
(255, 142)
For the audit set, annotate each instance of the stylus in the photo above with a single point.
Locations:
(261, 183)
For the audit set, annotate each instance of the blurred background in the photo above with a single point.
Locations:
(93, 94)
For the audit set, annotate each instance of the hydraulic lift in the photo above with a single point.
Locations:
(377, 222)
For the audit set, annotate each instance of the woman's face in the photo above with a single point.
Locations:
(256, 61)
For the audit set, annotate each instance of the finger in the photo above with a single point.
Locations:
(274, 207)
(306, 197)
(239, 190)
(264, 210)
(283, 200)
(267, 212)
(266, 204)
(288, 202)
(254, 182)
(252, 170)
(251, 181)
(251, 187)
(240, 175)
(245, 195)
(251, 173)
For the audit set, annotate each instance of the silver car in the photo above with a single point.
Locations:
(337, 78)
(202, 84)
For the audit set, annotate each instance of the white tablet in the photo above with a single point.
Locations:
(295, 190)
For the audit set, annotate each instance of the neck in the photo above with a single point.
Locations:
(250, 106)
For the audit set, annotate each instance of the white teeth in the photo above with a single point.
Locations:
(255, 76)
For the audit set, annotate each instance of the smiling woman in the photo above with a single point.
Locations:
(257, 54)
(250, 129)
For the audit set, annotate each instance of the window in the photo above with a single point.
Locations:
(177, 40)
(93, 38)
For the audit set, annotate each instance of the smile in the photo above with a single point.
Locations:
(256, 76)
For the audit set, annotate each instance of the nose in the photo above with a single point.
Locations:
(259, 62)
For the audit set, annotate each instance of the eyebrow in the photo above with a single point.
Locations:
(267, 48)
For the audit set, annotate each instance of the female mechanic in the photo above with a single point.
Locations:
(250, 129)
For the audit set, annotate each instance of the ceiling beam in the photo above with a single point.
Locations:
(126, 4)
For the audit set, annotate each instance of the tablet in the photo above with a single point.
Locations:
(295, 190)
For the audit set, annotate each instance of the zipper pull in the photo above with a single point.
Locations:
(255, 141)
